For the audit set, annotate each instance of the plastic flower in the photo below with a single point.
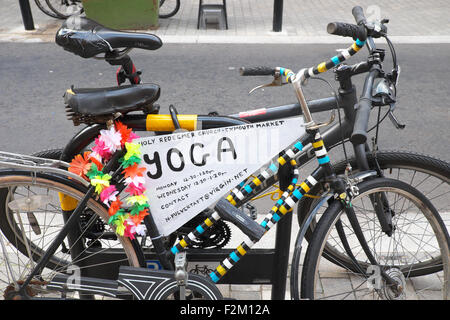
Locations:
(100, 182)
(129, 230)
(132, 136)
(109, 194)
(141, 199)
(97, 160)
(137, 208)
(81, 164)
(93, 171)
(120, 229)
(135, 190)
(141, 230)
(114, 207)
(136, 180)
(101, 149)
(111, 139)
(127, 134)
(133, 171)
(131, 161)
(137, 219)
(118, 217)
(133, 149)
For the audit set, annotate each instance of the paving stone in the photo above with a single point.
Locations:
(249, 20)
(429, 282)
(246, 295)
(338, 288)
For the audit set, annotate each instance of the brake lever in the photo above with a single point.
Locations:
(277, 82)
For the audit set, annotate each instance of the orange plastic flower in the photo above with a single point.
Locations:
(81, 164)
(114, 207)
(133, 171)
(137, 219)
(98, 163)
(124, 131)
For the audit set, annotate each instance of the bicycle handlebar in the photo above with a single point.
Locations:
(360, 33)
(347, 30)
(257, 71)
(358, 14)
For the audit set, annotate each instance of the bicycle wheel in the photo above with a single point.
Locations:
(45, 10)
(430, 176)
(9, 224)
(65, 8)
(419, 231)
(168, 8)
(32, 229)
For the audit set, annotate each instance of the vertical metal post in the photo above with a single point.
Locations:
(281, 257)
(277, 15)
(282, 241)
(27, 16)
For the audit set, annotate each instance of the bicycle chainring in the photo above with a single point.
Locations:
(215, 237)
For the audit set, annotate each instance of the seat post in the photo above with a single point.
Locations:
(127, 69)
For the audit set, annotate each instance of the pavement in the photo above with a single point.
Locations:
(250, 22)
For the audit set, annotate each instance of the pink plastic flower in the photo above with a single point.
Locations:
(109, 194)
(100, 149)
(135, 190)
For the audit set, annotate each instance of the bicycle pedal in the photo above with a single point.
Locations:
(246, 224)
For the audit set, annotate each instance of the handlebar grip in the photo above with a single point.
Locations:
(257, 71)
(359, 134)
(347, 30)
(358, 14)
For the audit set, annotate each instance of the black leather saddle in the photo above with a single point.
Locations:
(94, 105)
(87, 38)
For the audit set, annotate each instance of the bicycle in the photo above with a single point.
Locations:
(240, 250)
(381, 161)
(168, 8)
(45, 9)
(387, 160)
(63, 9)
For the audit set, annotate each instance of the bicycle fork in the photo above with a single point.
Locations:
(350, 212)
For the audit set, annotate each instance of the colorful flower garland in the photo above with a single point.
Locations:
(90, 165)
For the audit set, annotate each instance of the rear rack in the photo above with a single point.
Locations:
(36, 164)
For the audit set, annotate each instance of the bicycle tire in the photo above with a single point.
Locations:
(171, 12)
(60, 13)
(398, 269)
(28, 250)
(44, 10)
(395, 160)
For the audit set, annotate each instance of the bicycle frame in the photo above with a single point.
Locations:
(162, 124)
